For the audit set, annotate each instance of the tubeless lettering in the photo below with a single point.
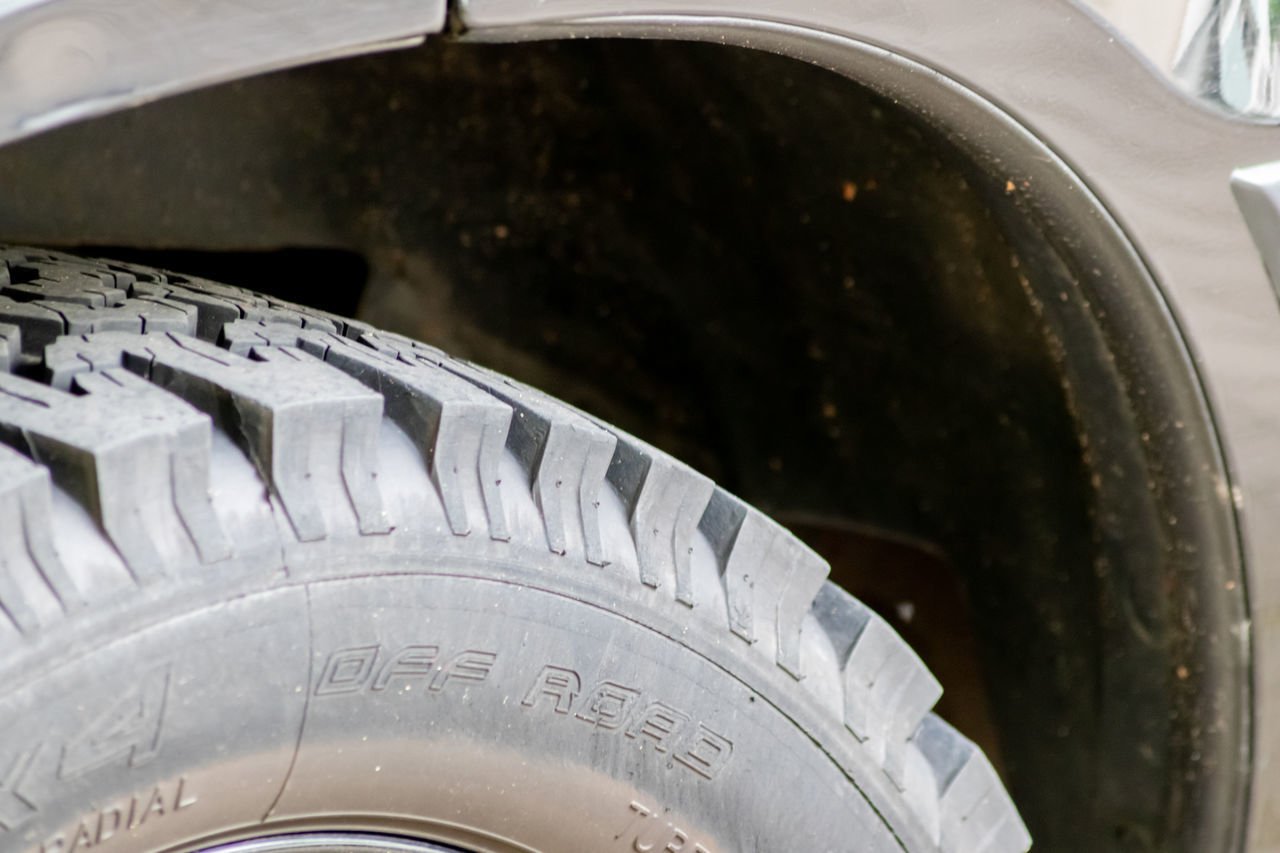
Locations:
(647, 831)
(639, 812)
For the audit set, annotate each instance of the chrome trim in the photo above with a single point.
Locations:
(1229, 56)
(332, 842)
(1257, 192)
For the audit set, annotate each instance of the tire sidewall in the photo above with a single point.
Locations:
(452, 705)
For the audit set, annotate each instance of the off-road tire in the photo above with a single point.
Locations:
(266, 570)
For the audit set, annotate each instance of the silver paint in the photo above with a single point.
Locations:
(63, 60)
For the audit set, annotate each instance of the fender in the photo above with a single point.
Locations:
(65, 60)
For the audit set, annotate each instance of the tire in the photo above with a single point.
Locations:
(269, 571)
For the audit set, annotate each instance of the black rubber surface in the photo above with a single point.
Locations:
(263, 565)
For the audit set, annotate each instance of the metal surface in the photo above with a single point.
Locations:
(1257, 191)
(64, 60)
(1229, 55)
(332, 842)
(1223, 53)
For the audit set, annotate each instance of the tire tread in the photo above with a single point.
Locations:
(192, 356)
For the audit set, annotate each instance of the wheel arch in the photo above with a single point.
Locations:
(1081, 165)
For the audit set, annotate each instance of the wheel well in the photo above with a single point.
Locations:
(824, 299)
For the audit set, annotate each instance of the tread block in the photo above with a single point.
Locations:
(26, 536)
(572, 463)
(41, 325)
(212, 311)
(89, 292)
(665, 502)
(461, 431)
(976, 815)
(887, 688)
(131, 315)
(10, 347)
(307, 318)
(219, 304)
(769, 575)
(59, 281)
(566, 455)
(116, 471)
(290, 410)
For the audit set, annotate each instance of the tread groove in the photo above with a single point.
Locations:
(118, 477)
(295, 415)
(460, 430)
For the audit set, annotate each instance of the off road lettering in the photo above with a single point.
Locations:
(608, 706)
(557, 683)
(374, 668)
(470, 665)
(123, 817)
(705, 753)
(613, 707)
(659, 724)
(347, 670)
(412, 663)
